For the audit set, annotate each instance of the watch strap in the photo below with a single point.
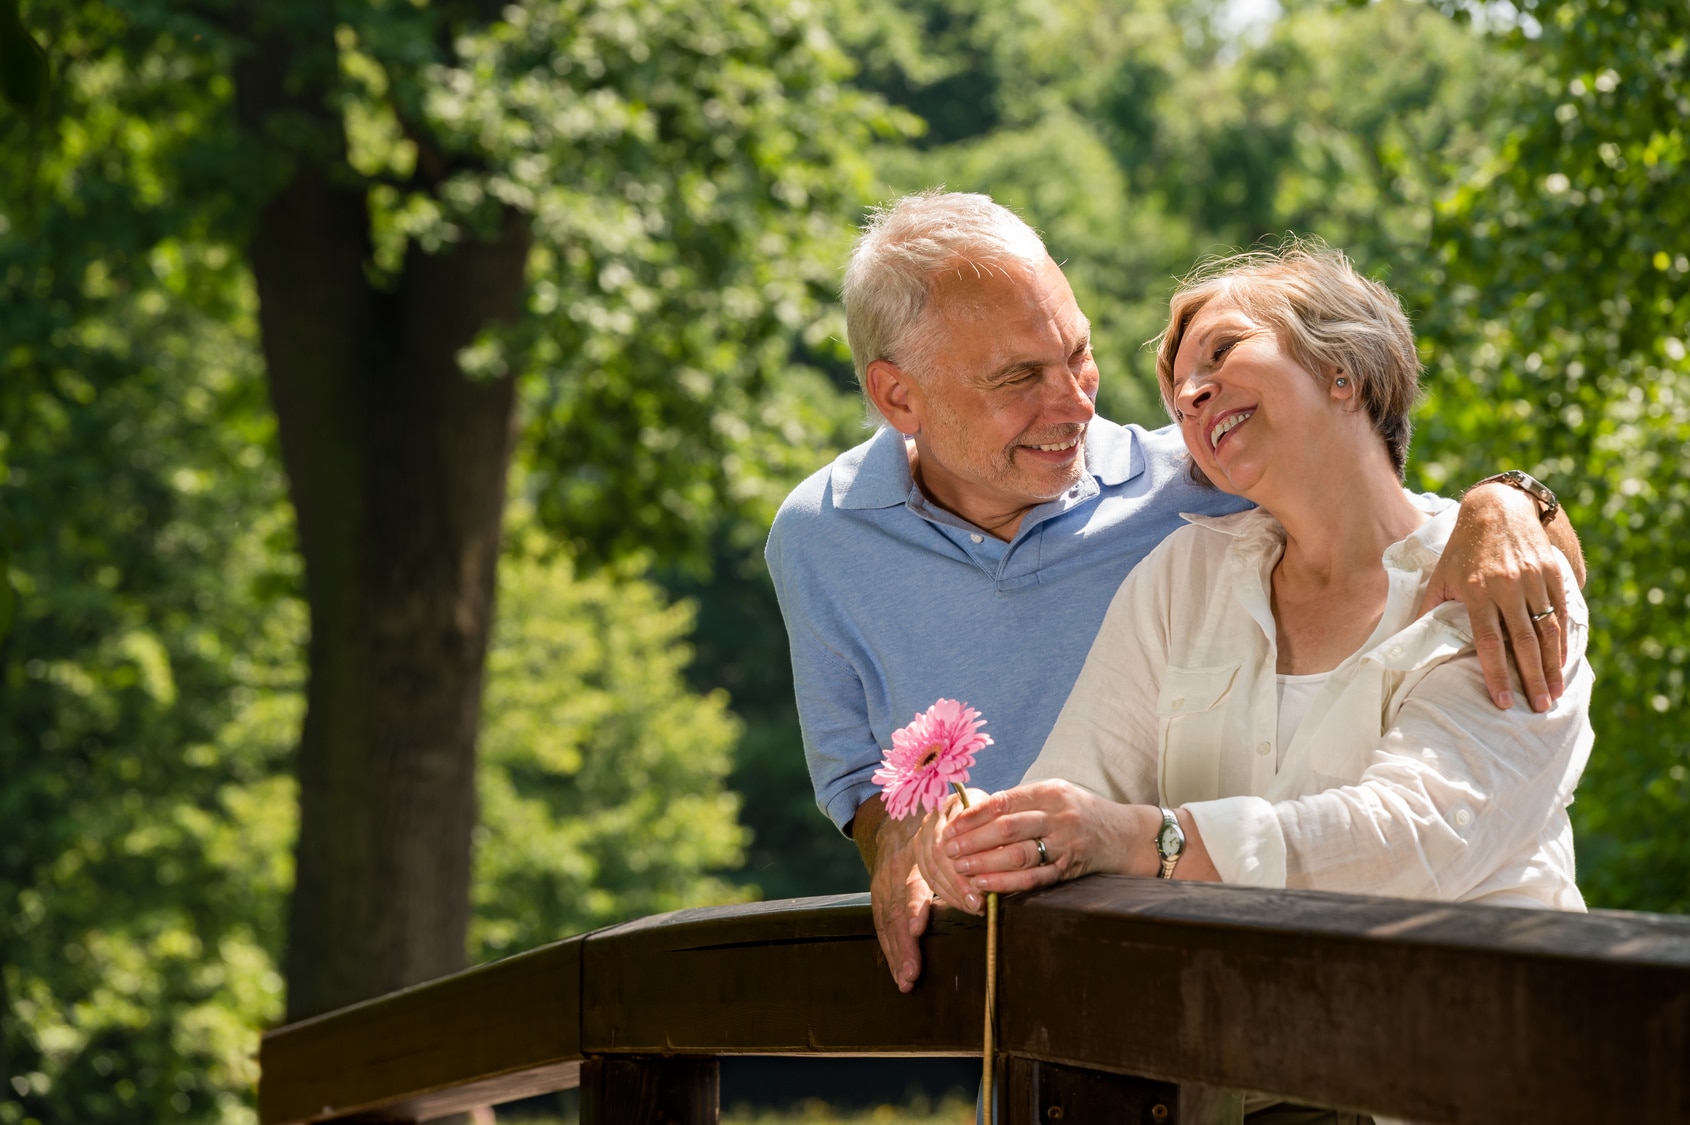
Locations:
(1548, 505)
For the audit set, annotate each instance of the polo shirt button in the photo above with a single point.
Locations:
(1462, 817)
(978, 538)
(1264, 748)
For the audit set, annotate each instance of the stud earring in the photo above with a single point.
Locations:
(1342, 382)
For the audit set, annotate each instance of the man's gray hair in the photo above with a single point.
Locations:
(903, 246)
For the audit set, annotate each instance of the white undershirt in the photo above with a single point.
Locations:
(1296, 694)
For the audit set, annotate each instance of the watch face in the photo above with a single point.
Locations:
(1170, 841)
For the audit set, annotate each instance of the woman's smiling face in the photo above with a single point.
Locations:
(1250, 413)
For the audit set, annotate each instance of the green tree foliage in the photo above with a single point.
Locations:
(1561, 322)
(670, 182)
(148, 692)
(688, 172)
(683, 174)
(601, 773)
(147, 688)
(1141, 138)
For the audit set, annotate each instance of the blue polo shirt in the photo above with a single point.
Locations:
(892, 602)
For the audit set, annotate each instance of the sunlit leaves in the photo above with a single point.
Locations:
(600, 773)
(689, 173)
(1567, 261)
(148, 695)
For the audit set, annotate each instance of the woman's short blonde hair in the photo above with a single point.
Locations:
(1327, 315)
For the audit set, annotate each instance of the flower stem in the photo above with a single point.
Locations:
(991, 985)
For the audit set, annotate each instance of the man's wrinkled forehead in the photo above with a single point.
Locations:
(980, 289)
(967, 283)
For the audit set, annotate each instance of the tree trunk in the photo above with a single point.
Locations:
(396, 465)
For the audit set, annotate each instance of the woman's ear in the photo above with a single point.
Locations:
(894, 394)
(1341, 385)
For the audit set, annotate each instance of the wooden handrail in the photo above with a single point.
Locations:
(1433, 1011)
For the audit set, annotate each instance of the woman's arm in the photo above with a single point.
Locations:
(1455, 789)
(991, 846)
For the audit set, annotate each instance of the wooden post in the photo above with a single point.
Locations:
(1042, 1093)
(650, 1090)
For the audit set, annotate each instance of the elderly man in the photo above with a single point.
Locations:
(970, 548)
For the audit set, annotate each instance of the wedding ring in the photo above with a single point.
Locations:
(1536, 617)
(1044, 856)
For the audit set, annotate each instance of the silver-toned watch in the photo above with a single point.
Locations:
(1532, 487)
(1170, 844)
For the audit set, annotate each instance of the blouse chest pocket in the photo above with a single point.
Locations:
(1193, 730)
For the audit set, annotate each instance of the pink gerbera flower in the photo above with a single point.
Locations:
(934, 750)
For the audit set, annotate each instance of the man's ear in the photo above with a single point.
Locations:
(893, 393)
(1340, 384)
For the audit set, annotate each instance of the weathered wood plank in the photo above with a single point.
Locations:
(1043, 1093)
(506, 1030)
(1431, 1011)
(802, 977)
(651, 1090)
(1434, 1011)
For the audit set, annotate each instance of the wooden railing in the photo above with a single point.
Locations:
(1431, 1011)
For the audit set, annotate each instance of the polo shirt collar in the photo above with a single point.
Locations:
(881, 477)
(1112, 452)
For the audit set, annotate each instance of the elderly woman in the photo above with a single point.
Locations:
(1262, 705)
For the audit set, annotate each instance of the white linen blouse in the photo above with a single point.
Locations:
(1403, 779)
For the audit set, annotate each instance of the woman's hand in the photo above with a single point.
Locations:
(993, 846)
(949, 887)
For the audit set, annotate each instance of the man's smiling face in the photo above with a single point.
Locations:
(1004, 394)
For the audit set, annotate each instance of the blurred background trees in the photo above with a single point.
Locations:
(676, 185)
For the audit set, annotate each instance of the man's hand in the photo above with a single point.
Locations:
(1499, 563)
(898, 895)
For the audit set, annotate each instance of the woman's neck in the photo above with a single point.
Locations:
(1342, 528)
(1329, 586)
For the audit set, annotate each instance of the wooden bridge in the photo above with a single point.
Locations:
(1112, 990)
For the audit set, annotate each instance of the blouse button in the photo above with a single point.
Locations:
(1264, 748)
(1462, 817)
(1178, 703)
